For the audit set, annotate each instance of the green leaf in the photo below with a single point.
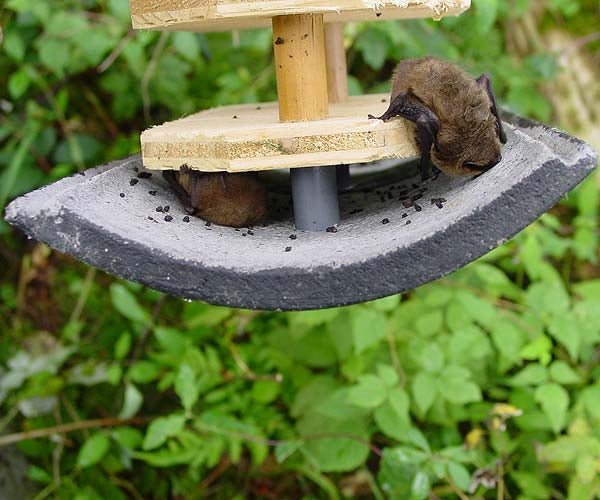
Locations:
(431, 357)
(143, 372)
(588, 289)
(391, 422)
(388, 374)
(562, 373)
(171, 340)
(18, 83)
(123, 345)
(126, 304)
(534, 374)
(328, 452)
(548, 299)
(14, 46)
(460, 475)
(187, 386)
(54, 55)
(265, 391)
(539, 349)
(370, 392)
(565, 329)
(368, 328)
(397, 472)
(373, 46)
(430, 323)
(161, 429)
(508, 339)
(424, 390)
(420, 486)
(186, 44)
(554, 400)
(132, 401)
(93, 450)
(455, 386)
(590, 397)
(485, 15)
(127, 437)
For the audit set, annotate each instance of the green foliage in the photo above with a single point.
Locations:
(482, 382)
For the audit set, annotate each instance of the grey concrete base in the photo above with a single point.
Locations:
(375, 251)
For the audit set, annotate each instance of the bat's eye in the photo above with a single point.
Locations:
(472, 166)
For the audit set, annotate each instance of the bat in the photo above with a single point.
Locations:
(236, 200)
(457, 123)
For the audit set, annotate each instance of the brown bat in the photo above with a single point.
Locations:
(457, 120)
(236, 200)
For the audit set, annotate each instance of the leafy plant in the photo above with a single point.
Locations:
(483, 384)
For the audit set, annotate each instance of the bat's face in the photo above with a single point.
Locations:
(457, 153)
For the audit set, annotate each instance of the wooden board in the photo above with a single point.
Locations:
(251, 137)
(224, 15)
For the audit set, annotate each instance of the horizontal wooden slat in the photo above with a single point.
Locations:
(223, 15)
(250, 137)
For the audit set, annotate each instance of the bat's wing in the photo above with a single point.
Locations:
(486, 83)
(412, 108)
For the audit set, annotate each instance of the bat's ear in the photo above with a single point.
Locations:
(485, 82)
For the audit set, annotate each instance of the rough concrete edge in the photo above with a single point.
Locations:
(381, 276)
(395, 272)
(36, 201)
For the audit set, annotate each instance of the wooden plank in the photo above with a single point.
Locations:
(251, 137)
(299, 48)
(337, 71)
(225, 15)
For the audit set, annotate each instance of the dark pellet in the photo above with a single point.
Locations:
(258, 107)
(279, 41)
(150, 218)
(385, 221)
(207, 224)
(383, 100)
(135, 169)
(186, 218)
(418, 207)
(236, 229)
(243, 234)
(133, 182)
(144, 175)
(153, 193)
(288, 249)
(122, 195)
(378, 14)
(293, 236)
(407, 222)
(235, 116)
(439, 204)
(168, 218)
(166, 208)
(404, 215)
(251, 233)
(159, 209)
(331, 229)
(81, 173)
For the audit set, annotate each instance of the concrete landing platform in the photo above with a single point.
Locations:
(396, 233)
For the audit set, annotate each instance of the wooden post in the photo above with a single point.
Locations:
(337, 71)
(299, 46)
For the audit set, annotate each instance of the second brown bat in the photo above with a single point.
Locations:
(456, 117)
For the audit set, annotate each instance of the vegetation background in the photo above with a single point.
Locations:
(483, 384)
